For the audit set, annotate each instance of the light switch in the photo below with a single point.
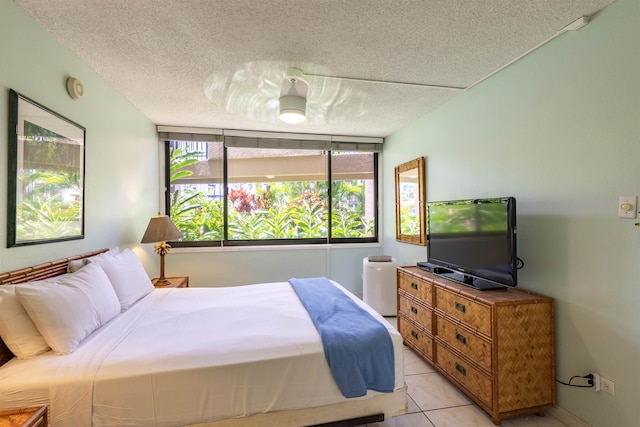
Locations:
(627, 207)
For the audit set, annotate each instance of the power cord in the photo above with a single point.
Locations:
(519, 263)
(588, 377)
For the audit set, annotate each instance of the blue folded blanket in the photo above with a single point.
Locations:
(357, 347)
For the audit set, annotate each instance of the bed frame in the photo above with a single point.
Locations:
(348, 414)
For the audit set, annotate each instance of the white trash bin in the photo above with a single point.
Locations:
(379, 284)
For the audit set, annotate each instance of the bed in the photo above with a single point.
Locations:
(236, 356)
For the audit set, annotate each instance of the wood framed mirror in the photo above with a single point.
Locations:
(410, 198)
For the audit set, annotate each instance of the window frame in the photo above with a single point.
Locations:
(338, 144)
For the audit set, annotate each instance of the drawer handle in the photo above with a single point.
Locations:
(414, 334)
(414, 310)
(460, 307)
(461, 369)
(461, 338)
(414, 286)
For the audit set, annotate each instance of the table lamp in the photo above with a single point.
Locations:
(161, 229)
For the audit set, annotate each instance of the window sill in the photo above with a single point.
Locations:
(184, 250)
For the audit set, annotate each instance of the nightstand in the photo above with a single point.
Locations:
(174, 282)
(27, 417)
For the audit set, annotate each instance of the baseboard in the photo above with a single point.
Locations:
(567, 417)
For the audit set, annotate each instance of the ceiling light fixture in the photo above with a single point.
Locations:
(293, 105)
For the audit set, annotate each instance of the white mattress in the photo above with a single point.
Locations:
(185, 356)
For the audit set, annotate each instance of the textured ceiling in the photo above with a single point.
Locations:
(221, 63)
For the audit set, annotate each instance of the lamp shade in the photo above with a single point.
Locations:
(160, 229)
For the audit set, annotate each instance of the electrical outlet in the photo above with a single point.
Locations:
(596, 382)
(607, 385)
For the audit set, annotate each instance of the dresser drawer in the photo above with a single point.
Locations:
(477, 316)
(469, 377)
(415, 337)
(474, 347)
(418, 288)
(415, 311)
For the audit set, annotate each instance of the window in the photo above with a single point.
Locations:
(239, 189)
(353, 195)
(276, 194)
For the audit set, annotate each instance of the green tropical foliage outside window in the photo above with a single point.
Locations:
(267, 207)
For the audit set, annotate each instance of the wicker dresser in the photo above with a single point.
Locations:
(496, 346)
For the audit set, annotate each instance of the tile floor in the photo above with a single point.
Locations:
(434, 402)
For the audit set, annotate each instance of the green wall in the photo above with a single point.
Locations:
(121, 167)
(122, 188)
(560, 131)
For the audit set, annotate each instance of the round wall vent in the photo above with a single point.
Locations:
(75, 88)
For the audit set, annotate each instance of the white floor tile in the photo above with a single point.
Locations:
(463, 416)
(533, 421)
(412, 407)
(408, 420)
(432, 391)
(414, 364)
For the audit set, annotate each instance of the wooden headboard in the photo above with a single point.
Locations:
(36, 272)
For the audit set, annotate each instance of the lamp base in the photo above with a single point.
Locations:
(162, 281)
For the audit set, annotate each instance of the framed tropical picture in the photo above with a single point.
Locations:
(46, 175)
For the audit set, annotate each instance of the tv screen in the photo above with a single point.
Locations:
(474, 241)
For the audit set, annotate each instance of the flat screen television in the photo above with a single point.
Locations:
(474, 241)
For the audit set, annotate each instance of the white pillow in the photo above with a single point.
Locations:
(68, 311)
(127, 276)
(77, 264)
(17, 329)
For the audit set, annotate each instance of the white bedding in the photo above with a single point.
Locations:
(185, 356)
